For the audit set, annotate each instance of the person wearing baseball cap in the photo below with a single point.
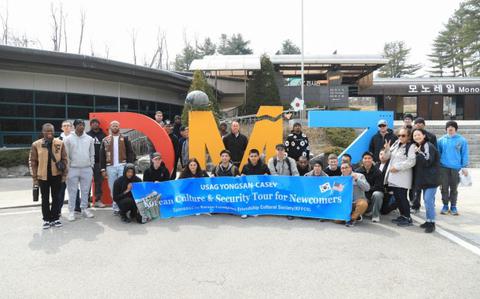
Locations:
(384, 135)
(157, 172)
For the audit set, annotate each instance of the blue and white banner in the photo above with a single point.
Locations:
(313, 197)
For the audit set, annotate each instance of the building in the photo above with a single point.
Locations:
(39, 86)
(340, 81)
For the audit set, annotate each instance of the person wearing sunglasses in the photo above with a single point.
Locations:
(399, 173)
(383, 135)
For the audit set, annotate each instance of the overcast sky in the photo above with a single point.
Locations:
(348, 26)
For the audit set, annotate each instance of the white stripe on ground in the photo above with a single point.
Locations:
(467, 245)
(20, 213)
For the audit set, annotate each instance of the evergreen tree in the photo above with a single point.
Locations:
(183, 60)
(207, 48)
(235, 45)
(262, 88)
(199, 82)
(288, 47)
(397, 55)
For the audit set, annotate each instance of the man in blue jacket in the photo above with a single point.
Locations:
(453, 149)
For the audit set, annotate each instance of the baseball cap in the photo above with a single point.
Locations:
(156, 155)
(382, 122)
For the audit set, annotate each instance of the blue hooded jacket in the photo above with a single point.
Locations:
(453, 151)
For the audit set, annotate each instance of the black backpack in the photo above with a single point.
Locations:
(275, 161)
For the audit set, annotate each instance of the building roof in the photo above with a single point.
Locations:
(59, 63)
(226, 63)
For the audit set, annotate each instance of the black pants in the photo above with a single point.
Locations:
(52, 185)
(98, 180)
(127, 204)
(402, 200)
(415, 197)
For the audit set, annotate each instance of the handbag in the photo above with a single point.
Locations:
(59, 164)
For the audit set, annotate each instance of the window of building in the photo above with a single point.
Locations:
(74, 112)
(80, 99)
(16, 96)
(449, 107)
(14, 125)
(57, 124)
(129, 105)
(17, 139)
(103, 103)
(52, 98)
(16, 110)
(50, 112)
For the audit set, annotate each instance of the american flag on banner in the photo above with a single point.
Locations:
(338, 187)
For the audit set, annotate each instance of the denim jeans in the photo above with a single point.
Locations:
(429, 199)
(114, 172)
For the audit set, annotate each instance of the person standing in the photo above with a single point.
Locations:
(157, 172)
(81, 160)
(45, 153)
(408, 121)
(374, 178)
(223, 129)
(399, 174)
(453, 149)
(97, 134)
(159, 118)
(383, 135)
(66, 131)
(297, 143)
(185, 154)
(236, 143)
(115, 151)
(426, 178)
(176, 148)
(177, 124)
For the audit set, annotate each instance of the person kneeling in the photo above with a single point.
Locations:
(122, 194)
(360, 186)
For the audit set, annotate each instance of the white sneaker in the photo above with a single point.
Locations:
(71, 216)
(87, 214)
(244, 216)
(100, 205)
(375, 219)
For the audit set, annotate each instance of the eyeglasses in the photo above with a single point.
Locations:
(402, 135)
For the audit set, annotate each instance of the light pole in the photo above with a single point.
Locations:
(302, 87)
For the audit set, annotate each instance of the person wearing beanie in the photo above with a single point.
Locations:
(226, 167)
(81, 160)
(453, 150)
(97, 134)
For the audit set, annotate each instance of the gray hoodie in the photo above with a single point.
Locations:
(360, 186)
(80, 150)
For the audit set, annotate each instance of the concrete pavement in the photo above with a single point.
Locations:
(225, 256)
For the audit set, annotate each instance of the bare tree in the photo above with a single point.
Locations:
(5, 26)
(64, 17)
(83, 15)
(107, 51)
(134, 43)
(167, 63)
(92, 51)
(57, 26)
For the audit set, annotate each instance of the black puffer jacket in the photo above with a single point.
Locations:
(378, 142)
(427, 167)
(259, 169)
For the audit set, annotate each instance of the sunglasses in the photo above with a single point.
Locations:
(402, 135)
(381, 126)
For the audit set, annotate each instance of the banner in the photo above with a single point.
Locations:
(313, 197)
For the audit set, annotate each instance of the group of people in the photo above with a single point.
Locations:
(396, 167)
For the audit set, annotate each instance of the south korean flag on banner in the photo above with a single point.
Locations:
(297, 104)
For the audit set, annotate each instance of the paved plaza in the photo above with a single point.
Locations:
(225, 256)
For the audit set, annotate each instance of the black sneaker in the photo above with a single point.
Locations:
(56, 223)
(398, 219)
(430, 228)
(405, 222)
(424, 225)
(46, 225)
(290, 217)
(125, 219)
(350, 223)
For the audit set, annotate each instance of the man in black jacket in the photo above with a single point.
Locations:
(176, 148)
(157, 172)
(383, 135)
(97, 134)
(375, 180)
(236, 143)
(255, 166)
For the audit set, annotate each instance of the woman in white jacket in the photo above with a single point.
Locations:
(399, 175)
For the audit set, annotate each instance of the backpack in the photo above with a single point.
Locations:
(275, 161)
(217, 170)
